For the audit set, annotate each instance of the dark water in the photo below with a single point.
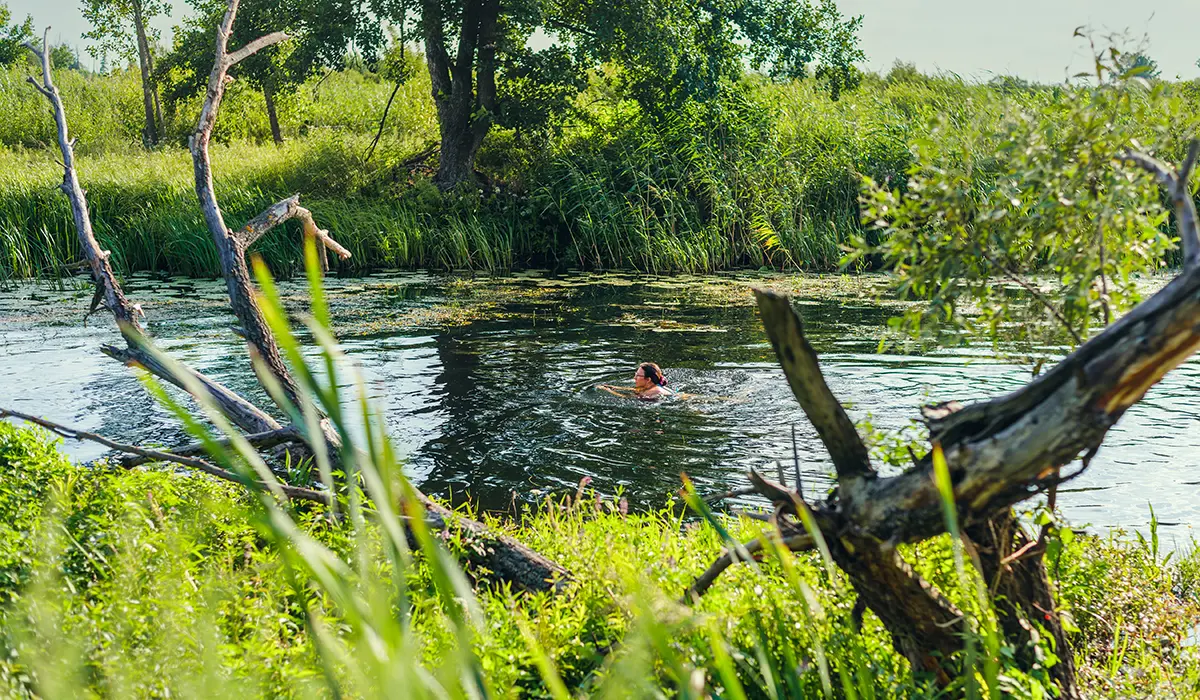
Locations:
(487, 384)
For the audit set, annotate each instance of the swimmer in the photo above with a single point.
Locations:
(649, 384)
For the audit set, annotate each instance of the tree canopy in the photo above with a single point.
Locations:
(12, 36)
(113, 25)
(320, 34)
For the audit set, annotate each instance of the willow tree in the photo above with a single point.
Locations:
(484, 70)
(121, 27)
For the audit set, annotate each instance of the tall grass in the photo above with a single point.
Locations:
(767, 176)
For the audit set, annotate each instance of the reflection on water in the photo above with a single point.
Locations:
(487, 385)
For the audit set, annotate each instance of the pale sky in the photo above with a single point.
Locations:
(973, 38)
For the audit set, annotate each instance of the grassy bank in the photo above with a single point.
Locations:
(149, 583)
(768, 176)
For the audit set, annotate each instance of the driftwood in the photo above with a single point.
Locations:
(999, 453)
(501, 556)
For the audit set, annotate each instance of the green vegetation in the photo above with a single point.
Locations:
(139, 583)
(767, 175)
(1059, 214)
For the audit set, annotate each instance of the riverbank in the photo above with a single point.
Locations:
(768, 177)
(151, 581)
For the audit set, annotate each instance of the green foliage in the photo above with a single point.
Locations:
(673, 52)
(12, 36)
(766, 174)
(1031, 219)
(63, 57)
(165, 583)
(114, 25)
(320, 33)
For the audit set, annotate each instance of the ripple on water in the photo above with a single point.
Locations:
(487, 385)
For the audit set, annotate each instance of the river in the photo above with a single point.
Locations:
(487, 384)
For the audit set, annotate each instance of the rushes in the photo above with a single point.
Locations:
(768, 175)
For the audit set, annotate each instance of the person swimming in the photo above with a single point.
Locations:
(649, 384)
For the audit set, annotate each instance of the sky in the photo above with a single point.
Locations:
(976, 39)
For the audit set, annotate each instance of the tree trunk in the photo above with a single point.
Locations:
(1022, 594)
(456, 160)
(464, 109)
(272, 116)
(150, 131)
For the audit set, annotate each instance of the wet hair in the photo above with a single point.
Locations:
(654, 373)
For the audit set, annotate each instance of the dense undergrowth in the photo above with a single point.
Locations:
(769, 175)
(153, 583)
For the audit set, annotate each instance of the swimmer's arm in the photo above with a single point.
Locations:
(621, 391)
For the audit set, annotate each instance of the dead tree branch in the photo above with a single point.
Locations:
(280, 212)
(145, 454)
(999, 453)
(244, 414)
(1175, 182)
(260, 441)
(799, 361)
(795, 543)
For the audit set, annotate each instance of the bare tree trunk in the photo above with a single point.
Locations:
(272, 116)
(108, 291)
(149, 99)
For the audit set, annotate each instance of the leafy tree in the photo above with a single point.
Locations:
(12, 36)
(63, 57)
(121, 27)
(484, 72)
(320, 34)
(1030, 230)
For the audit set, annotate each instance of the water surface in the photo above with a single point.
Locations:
(487, 384)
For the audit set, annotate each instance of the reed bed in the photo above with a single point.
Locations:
(768, 176)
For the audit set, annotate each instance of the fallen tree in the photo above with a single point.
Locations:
(998, 453)
(496, 554)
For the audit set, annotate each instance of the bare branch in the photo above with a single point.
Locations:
(1189, 161)
(150, 455)
(795, 543)
(244, 414)
(254, 47)
(262, 441)
(786, 331)
(1176, 185)
(770, 490)
(280, 212)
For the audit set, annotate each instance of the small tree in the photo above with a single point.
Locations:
(121, 27)
(319, 34)
(63, 57)
(12, 36)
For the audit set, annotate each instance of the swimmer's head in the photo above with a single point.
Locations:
(647, 375)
